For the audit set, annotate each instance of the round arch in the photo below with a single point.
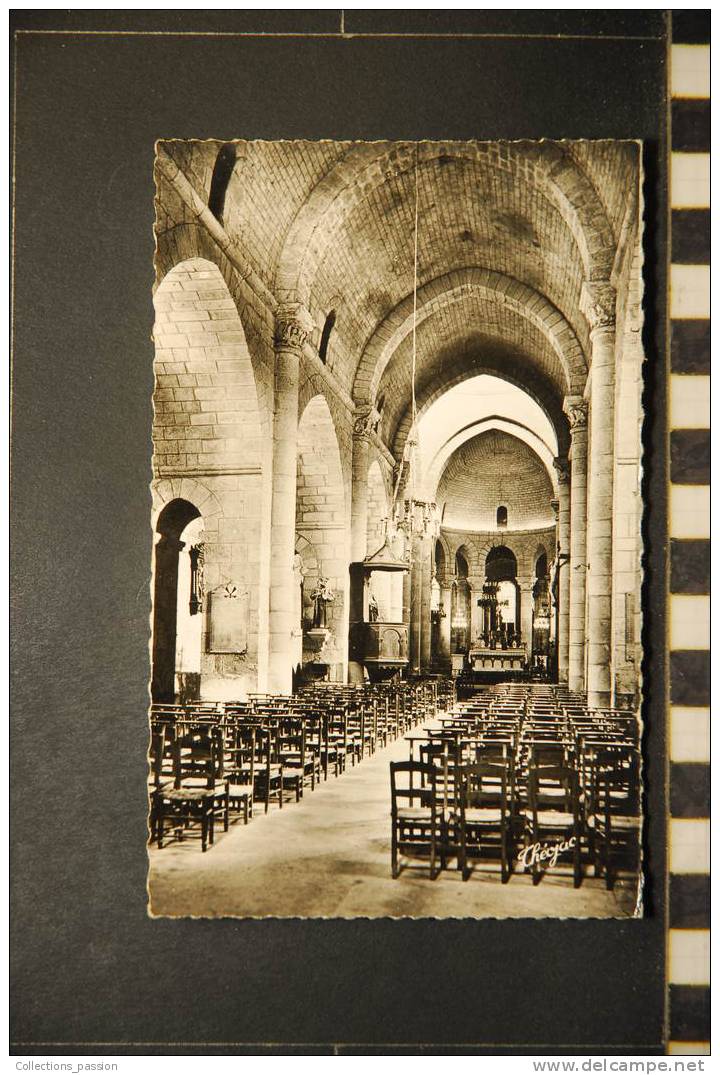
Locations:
(454, 287)
(377, 508)
(320, 517)
(501, 563)
(172, 521)
(165, 490)
(205, 399)
(466, 366)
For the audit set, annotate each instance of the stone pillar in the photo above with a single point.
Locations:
(563, 553)
(525, 596)
(577, 412)
(420, 583)
(446, 621)
(365, 423)
(598, 305)
(291, 329)
(165, 601)
(425, 610)
(475, 583)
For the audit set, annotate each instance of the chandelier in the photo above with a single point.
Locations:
(489, 597)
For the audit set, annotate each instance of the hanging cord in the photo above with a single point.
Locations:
(411, 436)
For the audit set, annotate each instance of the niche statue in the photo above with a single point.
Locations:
(321, 596)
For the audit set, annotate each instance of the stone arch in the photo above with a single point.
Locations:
(504, 540)
(188, 241)
(377, 507)
(367, 166)
(524, 377)
(447, 552)
(306, 568)
(451, 288)
(210, 443)
(171, 521)
(166, 490)
(501, 553)
(539, 556)
(467, 553)
(312, 384)
(205, 399)
(320, 514)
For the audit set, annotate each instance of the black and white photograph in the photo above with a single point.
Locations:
(397, 530)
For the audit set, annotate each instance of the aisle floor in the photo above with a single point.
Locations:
(328, 856)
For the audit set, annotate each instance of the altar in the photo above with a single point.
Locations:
(488, 659)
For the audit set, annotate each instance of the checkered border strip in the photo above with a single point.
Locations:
(688, 950)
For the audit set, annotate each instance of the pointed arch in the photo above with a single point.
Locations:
(366, 166)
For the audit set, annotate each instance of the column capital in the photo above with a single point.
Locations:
(563, 469)
(576, 408)
(597, 302)
(365, 421)
(293, 324)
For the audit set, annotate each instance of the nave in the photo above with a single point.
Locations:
(326, 850)
(396, 424)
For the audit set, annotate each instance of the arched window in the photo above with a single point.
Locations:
(502, 516)
(439, 558)
(224, 164)
(325, 337)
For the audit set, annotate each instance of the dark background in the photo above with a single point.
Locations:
(91, 973)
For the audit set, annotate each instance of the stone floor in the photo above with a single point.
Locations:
(329, 857)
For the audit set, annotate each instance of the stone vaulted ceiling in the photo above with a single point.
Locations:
(507, 233)
(493, 469)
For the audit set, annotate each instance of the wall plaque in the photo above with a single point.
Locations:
(227, 621)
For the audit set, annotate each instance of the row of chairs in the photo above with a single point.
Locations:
(210, 761)
(525, 774)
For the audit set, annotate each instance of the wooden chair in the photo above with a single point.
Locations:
(416, 829)
(327, 745)
(300, 763)
(553, 813)
(240, 768)
(199, 794)
(614, 821)
(268, 772)
(484, 816)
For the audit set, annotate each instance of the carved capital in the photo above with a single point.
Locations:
(563, 469)
(576, 409)
(292, 326)
(597, 302)
(366, 422)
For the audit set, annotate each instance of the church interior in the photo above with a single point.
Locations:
(396, 513)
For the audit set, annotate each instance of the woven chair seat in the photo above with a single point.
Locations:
(414, 813)
(189, 794)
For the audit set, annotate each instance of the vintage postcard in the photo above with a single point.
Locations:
(397, 553)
